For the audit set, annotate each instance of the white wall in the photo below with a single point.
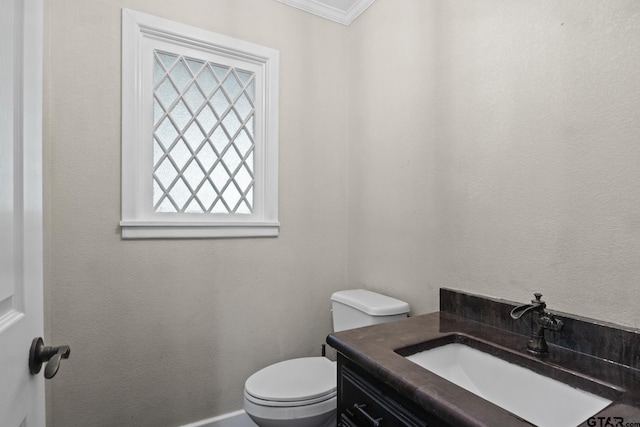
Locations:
(494, 148)
(166, 332)
(393, 215)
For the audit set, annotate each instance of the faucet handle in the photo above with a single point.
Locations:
(538, 295)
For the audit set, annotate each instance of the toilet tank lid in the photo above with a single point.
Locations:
(371, 303)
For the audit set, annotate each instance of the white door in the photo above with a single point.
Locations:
(21, 319)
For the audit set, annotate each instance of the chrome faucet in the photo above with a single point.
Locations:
(540, 320)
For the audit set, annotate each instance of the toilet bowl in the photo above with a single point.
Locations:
(294, 393)
(302, 392)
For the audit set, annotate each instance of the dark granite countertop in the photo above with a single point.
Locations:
(379, 350)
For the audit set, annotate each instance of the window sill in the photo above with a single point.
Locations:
(160, 230)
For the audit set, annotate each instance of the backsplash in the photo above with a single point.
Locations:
(588, 336)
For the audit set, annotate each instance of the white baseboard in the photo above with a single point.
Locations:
(232, 419)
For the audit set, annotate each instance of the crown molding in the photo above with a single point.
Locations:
(329, 12)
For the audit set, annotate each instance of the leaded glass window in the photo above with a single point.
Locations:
(199, 132)
(203, 136)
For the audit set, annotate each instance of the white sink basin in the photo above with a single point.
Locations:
(540, 400)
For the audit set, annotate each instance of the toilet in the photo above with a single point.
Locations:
(302, 392)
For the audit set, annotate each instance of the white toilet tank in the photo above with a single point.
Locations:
(358, 307)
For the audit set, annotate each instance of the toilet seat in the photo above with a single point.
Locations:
(296, 382)
(290, 404)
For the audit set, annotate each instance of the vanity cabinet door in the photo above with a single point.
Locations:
(364, 406)
(363, 401)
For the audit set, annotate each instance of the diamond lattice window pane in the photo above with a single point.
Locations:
(180, 75)
(251, 90)
(243, 178)
(194, 98)
(219, 102)
(250, 160)
(207, 80)
(249, 126)
(194, 207)
(244, 76)
(195, 65)
(250, 194)
(231, 159)
(194, 136)
(180, 154)
(167, 59)
(219, 176)
(219, 207)
(158, 111)
(243, 143)
(166, 173)
(194, 175)
(207, 157)
(231, 123)
(166, 206)
(158, 71)
(243, 107)
(220, 70)
(180, 115)
(180, 194)
(158, 152)
(166, 132)
(231, 196)
(202, 164)
(207, 195)
(157, 192)
(243, 208)
(206, 118)
(231, 86)
(166, 93)
(220, 139)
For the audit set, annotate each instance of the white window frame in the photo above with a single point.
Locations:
(141, 33)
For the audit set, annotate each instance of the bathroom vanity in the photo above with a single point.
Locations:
(379, 384)
(365, 401)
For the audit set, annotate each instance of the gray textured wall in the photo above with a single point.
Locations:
(166, 332)
(494, 148)
(489, 146)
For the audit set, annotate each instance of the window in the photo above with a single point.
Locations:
(199, 132)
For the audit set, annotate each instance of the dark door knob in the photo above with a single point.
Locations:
(39, 354)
